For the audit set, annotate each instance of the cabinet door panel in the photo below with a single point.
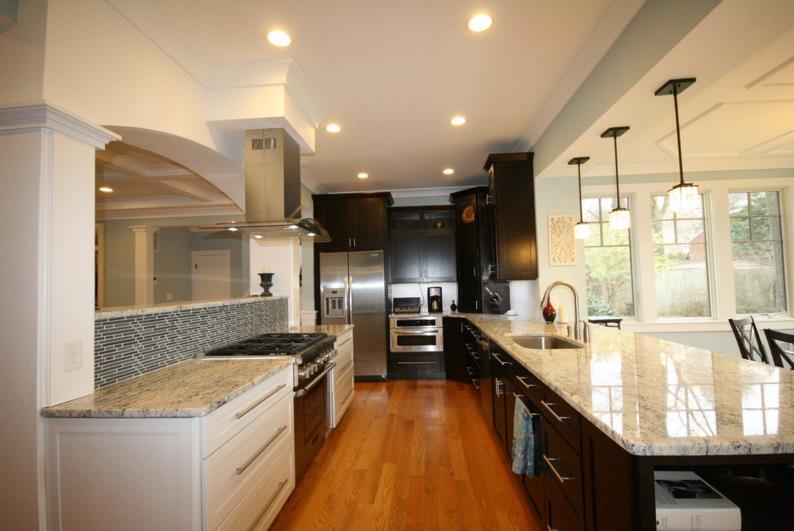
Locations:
(404, 257)
(334, 214)
(438, 256)
(369, 223)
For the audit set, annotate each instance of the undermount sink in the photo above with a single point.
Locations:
(545, 342)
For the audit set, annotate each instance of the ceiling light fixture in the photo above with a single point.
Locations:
(448, 171)
(292, 227)
(619, 217)
(232, 229)
(279, 38)
(362, 175)
(333, 128)
(457, 120)
(258, 236)
(581, 231)
(683, 196)
(480, 22)
(105, 189)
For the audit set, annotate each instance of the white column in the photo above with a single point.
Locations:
(143, 245)
(47, 162)
(723, 293)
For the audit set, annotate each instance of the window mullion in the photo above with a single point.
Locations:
(724, 298)
(642, 258)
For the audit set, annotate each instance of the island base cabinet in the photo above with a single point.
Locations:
(123, 474)
(231, 469)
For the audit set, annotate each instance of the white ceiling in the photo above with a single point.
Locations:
(739, 115)
(393, 73)
(146, 184)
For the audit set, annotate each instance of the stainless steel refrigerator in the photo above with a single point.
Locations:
(353, 290)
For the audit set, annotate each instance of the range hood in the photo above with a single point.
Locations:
(273, 190)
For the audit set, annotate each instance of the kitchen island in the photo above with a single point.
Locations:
(625, 405)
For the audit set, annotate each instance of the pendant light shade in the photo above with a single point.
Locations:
(619, 217)
(683, 196)
(581, 231)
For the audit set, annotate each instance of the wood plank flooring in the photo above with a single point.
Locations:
(409, 455)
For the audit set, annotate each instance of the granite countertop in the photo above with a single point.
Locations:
(126, 311)
(192, 388)
(331, 330)
(655, 397)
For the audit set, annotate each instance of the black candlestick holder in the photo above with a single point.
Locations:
(266, 281)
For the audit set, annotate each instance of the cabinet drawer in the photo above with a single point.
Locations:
(344, 339)
(226, 421)
(558, 515)
(235, 467)
(563, 469)
(527, 383)
(259, 507)
(344, 363)
(343, 394)
(563, 417)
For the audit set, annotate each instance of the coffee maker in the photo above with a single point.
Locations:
(435, 303)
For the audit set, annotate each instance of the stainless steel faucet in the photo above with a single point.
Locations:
(584, 335)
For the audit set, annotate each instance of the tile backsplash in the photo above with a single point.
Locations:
(132, 345)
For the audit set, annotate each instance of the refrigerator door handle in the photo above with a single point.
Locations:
(350, 299)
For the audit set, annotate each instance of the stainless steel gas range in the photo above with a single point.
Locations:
(314, 357)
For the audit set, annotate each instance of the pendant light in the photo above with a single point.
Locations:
(619, 217)
(683, 196)
(581, 231)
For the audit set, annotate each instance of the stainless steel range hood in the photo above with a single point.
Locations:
(273, 190)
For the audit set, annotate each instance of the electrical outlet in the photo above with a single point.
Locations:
(73, 354)
(169, 296)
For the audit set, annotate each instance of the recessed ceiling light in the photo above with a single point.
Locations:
(448, 171)
(293, 227)
(458, 120)
(232, 229)
(362, 175)
(106, 189)
(333, 128)
(480, 22)
(258, 236)
(279, 38)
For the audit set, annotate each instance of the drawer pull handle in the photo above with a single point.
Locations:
(548, 405)
(469, 370)
(550, 463)
(253, 406)
(521, 399)
(523, 380)
(270, 502)
(499, 359)
(240, 469)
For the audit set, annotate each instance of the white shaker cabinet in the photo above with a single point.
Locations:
(342, 394)
(231, 469)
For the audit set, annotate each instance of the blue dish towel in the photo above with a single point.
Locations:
(523, 453)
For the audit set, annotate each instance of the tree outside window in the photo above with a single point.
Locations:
(610, 290)
(757, 244)
(680, 260)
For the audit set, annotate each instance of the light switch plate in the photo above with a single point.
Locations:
(73, 354)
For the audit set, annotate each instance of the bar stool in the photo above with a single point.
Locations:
(781, 357)
(749, 339)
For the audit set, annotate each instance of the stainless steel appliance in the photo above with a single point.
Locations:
(314, 358)
(353, 291)
(434, 300)
(416, 333)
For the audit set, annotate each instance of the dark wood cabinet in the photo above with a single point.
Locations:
(355, 222)
(455, 349)
(512, 195)
(422, 245)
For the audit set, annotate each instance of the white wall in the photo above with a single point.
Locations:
(282, 257)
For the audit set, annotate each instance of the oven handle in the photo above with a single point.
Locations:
(404, 332)
(303, 390)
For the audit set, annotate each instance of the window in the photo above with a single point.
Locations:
(680, 260)
(757, 244)
(610, 291)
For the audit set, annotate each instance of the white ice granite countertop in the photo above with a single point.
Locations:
(654, 397)
(126, 311)
(192, 388)
(331, 330)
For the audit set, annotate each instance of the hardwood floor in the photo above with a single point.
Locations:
(409, 455)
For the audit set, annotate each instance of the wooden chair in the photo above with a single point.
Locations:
(782, 357)
(749, 339)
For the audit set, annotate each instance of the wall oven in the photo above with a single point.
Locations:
(416, 333)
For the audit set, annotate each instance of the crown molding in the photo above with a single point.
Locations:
(43, 115)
